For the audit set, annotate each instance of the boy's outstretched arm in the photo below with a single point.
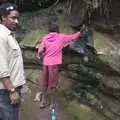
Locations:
(70, 37)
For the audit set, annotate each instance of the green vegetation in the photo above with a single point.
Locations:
(32, 38)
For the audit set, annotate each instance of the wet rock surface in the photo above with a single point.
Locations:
(65, 110)
(93, 79)
(30, 110)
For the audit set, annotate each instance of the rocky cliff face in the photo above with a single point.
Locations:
(95, 76)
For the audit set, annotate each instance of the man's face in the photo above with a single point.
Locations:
(11, 20)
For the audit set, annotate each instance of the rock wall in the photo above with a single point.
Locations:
(95, 77)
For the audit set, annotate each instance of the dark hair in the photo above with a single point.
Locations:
(6, 8)
(53, 27)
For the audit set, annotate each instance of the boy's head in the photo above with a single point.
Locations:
(9, 15)
(53, 27)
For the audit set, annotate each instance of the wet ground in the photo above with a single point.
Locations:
(30, 110)
(73, 111)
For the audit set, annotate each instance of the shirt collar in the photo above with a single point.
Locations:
(9, 32)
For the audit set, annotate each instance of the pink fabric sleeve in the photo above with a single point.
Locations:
(70, 37)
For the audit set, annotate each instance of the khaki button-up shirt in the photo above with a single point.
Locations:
(11, 61)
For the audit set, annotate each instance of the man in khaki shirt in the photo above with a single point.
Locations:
(11, 64)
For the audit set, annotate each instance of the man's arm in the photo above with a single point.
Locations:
(5, 73)
(4, 69)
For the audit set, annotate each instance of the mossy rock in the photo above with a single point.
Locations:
(32, 38)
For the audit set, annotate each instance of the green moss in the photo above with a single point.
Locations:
(31, 39)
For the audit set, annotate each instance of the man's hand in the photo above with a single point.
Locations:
(14, 97)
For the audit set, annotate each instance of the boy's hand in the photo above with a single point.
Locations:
(82, 28)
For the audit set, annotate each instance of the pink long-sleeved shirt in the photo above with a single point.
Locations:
(52, 45)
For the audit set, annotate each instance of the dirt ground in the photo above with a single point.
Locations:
(30, 110)
(65, 111)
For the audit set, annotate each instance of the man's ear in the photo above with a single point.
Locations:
(3, 17)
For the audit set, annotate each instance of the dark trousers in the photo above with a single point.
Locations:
(7, 110)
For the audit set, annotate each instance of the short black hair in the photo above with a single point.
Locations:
(6, 8)
(53, 26)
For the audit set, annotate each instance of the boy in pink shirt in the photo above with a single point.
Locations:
(51, 51)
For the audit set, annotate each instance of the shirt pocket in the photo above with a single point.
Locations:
(15, 52)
